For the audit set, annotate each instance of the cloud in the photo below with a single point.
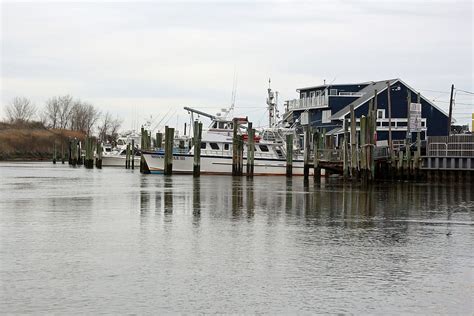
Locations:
(167, 54)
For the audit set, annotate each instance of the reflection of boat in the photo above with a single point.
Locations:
(117, 157)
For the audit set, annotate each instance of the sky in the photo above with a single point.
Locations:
(146, 60)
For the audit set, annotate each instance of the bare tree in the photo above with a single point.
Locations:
(20, 110)
(108, 128)
(65, 111)
(51, 112)
(83, 117)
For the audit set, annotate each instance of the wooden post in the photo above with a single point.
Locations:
(169, 138)
(389, 104)
(159, 140)
(133, 154)
(127, 157)
(250, 149)
(372, 134)
(306, 153)
(450, 118)
(54, 152)
(98, 154)
(289, 155)
(416, 164)
(354, 164)
(316, 146)
(79, 153)
(235, 149)
(197, 148)
(62, 151)
(363, 149)
(408, 138)
(345, 149)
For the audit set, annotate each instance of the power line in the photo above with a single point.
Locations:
(469, 92)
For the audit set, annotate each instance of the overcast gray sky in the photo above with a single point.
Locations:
(145, 58)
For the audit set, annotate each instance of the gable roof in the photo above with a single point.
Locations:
(334, 85)
(369, 91)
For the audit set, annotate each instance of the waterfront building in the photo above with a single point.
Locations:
(328, 105)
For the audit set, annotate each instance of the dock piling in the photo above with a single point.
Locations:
(197, 148)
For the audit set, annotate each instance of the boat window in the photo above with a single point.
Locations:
(263, 148)
(203, 145)
(226, 146)
(214, 146)
(214, 125)
(123, 153)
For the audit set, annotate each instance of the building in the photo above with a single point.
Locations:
(329, 105)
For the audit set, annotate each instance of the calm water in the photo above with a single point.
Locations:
(115, 241)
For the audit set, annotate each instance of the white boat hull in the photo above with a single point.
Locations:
(183, 164)
(117, 161)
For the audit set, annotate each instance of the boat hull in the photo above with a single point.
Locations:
(183, 164)
(117, 161)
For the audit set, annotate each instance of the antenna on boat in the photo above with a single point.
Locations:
(272, 100)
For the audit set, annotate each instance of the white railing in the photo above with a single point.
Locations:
(451, 149)
(308, 103)
(350, 94)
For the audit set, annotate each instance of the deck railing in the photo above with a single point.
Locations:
(308, 103)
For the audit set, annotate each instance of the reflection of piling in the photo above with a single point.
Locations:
(197, 149)
(289, 155)
(169, 137)
(250, 150)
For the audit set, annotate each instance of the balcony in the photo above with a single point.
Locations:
(308, 103)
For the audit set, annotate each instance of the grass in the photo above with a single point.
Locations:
(32, 141)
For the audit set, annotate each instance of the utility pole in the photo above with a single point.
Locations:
(451, 101)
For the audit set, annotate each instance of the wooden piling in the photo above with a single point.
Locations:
(62, 151)
(98, 155)
(197, 148)
(54, 152)
(345, 150)
(363, 149)
(316, 146)
(133, 154)
(289, 155)
(169, 138)
(235, 149)
(354, 164)
(306, 152)
(159, 140)
(250, 149)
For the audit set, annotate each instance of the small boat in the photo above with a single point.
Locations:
(117, 157)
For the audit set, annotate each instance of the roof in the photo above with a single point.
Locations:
(367, 94)
(370, 90)
(334, 85)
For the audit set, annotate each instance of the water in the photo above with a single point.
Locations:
(115, 241)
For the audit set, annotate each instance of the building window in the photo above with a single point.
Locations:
(380, 114)
(325, 116)
(214, 146)
(333, 92)
(312, 94)
(303, 95)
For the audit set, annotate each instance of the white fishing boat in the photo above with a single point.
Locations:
(117, 157)
(216, 148)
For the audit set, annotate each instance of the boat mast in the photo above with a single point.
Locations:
(272, 106)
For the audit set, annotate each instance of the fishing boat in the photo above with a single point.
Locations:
(216, 149)
(117, 157)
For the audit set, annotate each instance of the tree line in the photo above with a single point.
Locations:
(65, 112)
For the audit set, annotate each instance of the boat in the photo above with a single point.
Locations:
(117, 157)
(216, 150)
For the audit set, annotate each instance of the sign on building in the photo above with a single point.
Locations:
(415, 117)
